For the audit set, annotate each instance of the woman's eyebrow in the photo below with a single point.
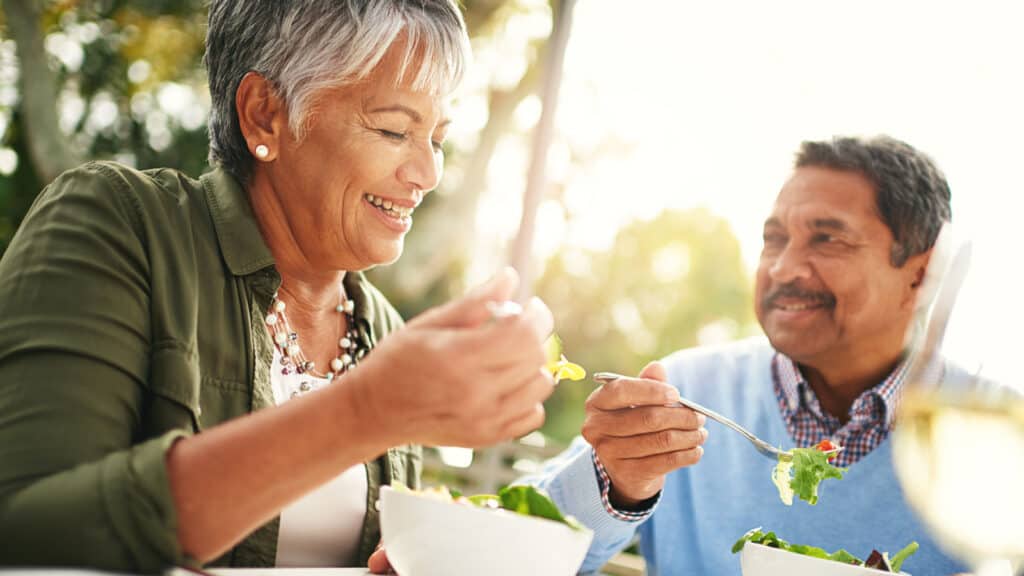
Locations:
(416, 117)
(411, 113)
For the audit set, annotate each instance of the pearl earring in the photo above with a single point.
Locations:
(262, 151)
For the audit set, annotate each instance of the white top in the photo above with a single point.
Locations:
(323, 527)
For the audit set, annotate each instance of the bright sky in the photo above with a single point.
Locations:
(709, 100)
(716, 96)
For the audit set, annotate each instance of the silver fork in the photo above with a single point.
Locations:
(760, 445)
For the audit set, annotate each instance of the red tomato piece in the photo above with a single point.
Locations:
(825, 446)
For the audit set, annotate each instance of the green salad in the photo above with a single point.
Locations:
(877, 560)
(525, 500)
(803, 471)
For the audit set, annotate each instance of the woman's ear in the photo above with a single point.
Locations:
(262, 116)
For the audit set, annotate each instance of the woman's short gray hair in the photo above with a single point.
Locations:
(305, 46)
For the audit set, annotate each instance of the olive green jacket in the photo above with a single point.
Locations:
(131, 314)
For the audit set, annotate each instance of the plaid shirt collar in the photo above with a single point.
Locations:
(875, 406)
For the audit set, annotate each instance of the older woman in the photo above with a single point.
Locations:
(196, 370)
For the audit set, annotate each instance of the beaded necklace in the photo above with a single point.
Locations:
(287, 341)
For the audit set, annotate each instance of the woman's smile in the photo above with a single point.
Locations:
(393, 215)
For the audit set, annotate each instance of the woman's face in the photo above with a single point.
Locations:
(370, 154)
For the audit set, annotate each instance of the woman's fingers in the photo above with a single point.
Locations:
(378, 563)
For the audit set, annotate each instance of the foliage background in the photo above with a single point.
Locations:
(123, 80)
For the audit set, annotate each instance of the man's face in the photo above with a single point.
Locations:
(826, 289)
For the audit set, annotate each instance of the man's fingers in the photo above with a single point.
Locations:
(654, 371)
(628, 392)
(657, 464)
(661, 442)
(628, 422)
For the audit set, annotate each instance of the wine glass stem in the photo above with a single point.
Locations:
(994, 567)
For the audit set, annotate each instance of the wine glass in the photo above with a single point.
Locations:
(959, 439)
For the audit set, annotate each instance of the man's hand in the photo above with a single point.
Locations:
(457, 376)
(639, 437)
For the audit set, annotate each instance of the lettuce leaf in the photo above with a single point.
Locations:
(897, 560)
(525, 500)
(770, 539)
(531, 501)
(782, 476)
(808, 467)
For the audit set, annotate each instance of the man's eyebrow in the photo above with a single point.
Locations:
(772, 222)
(413, 114)
(834, 224)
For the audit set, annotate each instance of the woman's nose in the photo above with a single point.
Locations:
(423, 169)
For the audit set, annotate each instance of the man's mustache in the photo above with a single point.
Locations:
(792, 290)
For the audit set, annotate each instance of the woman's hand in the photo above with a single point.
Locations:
(378, 563)
(456, 376)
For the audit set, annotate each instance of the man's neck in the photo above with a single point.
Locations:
(838, 384)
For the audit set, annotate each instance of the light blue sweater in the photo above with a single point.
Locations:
(703, 510)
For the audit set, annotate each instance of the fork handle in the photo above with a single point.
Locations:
(719, 418)
(761, 446)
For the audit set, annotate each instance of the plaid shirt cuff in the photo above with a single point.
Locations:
(605, 485)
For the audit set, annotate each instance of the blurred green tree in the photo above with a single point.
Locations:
(103, 79)
(672, 282)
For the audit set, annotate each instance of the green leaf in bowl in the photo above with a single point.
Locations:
(531, 501)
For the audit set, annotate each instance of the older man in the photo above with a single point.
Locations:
(845, 252)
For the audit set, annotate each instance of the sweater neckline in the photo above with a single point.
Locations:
(771, 406)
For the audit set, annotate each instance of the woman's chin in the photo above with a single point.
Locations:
(382, 254)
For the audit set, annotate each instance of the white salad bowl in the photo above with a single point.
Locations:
(760, 560)
(426, 536)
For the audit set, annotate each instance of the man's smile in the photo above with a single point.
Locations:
(790, 298)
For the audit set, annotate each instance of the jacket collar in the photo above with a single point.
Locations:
(239, 236)
(358, 288)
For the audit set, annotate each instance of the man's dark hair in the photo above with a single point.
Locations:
(911, 193)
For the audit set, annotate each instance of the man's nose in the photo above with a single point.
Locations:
(791, 264)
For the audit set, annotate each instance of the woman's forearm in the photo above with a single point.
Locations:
(231, 479)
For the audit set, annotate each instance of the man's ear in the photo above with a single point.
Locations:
(262, 116)
(919, 268)
(916, 267)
